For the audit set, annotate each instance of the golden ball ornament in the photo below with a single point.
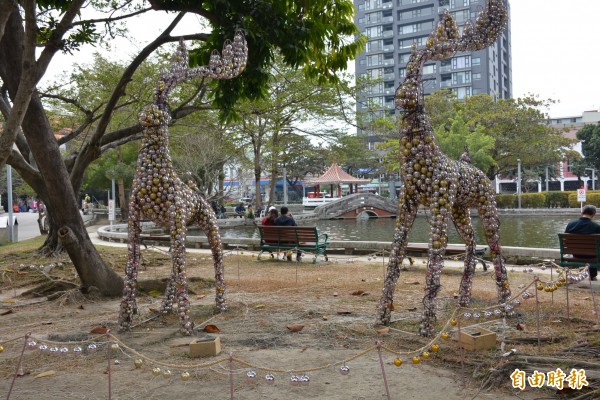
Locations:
(114, 347)
(540, 286)
(416, 360)
(138, 363)
(1, 349)
(425, 355)
(156, 371)
(185, 376)
(167, 374)
(435, 348)
(562, 279)
(445, 335)
(453, 322)
(398, 362)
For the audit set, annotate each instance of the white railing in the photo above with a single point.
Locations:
(317, 201)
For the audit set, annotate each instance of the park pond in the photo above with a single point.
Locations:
(515, 230)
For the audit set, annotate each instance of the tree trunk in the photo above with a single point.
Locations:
(122, 199)
(61, 200)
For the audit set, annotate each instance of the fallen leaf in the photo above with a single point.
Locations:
(9, 301)
(99, 330)
(325, 317)
(383, 330)
(412, 283)
(258, 306)
(47, 323)
(520, 327)
(335, 294)
(200, 296)
(295, 328)
(344, 312)
(412, 309)
(9, 311)
(365, 294)
(45, 374)
(81, 307)
(154, 310)
(211, 329)
(357, 293)
(154, 293)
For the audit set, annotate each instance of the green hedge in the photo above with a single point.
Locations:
(590, 198)
(546, 200)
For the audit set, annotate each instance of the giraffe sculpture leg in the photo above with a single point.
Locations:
(208, 223)
(491, 226)
(404, 222)
(462, 221)
(177, 287)
(435, 264)
(128, 301)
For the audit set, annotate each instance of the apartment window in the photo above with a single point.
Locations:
(402, 72)
(377, 101)
(373, 45)
(429, 69)
(374, 31)
(403, 58)
(462, 92)
(372, 4)
(460, 78)
(461, 62)
(376, 59)
(373, 17)
(405, 29)
(477, 91)
(459, 3)
(406, 2)
(476, 76)
(375, 73)
(475, 61)
(461, 16)
(407, 43)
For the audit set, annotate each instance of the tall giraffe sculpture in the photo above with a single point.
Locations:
(446, 188)
(160, 196)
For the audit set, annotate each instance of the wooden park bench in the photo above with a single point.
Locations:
(303, 238)
(579, 250)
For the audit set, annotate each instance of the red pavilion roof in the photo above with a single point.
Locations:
(334, 176)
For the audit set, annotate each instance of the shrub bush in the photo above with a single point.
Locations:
(506, 201)
(533, 200)
(590, 198)
(556, 199)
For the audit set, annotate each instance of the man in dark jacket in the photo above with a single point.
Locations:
(285, 219)
(585, 225)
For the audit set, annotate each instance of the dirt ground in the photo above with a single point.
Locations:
(335, 303)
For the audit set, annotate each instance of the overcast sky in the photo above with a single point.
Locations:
(556, 54)
(555, 50)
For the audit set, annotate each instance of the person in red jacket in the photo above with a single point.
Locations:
(270, 218)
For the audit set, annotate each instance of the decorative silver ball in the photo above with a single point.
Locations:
(344, 370)
(270, 378)
(251, 375)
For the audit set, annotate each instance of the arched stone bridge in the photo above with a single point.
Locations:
(358, 205)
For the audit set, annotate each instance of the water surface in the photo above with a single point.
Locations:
(517, 231)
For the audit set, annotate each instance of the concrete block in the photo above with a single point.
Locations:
(205, 347)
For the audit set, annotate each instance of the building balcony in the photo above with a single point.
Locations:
(445, 84)
(389, 47)
(389, 61)
(387, 5)
(389, 77)
(388, 34)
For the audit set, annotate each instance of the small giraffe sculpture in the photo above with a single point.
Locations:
(160, 196)
(445, 188)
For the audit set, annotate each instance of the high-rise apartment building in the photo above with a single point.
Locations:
(392, 26)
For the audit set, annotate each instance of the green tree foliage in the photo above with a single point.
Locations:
(589, 136)
(318, 36)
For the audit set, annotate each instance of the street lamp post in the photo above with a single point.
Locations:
(593, 177)
(285, 193)
(519, 181)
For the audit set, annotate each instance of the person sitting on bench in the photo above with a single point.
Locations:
(286, 219)
(585, 225)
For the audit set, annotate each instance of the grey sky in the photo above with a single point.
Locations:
(555, 53)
